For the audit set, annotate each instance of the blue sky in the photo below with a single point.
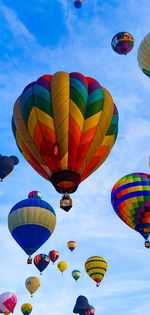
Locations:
(42, 37)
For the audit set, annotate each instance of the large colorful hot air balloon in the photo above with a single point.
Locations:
(8, 302)
(92, 310)
(76, 274)
(122, 43)
(82, 305)
(7, 164)
(71, 245)
(26, 308)
(65, 126)
(31, 222)
(144, 55)
(78, 4)
(32, 284)
(62, 265)
(53, 255)
(96, 267)
(130, 199)
(41, 261)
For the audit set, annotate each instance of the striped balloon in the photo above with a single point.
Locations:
(31, 222)
(76, 274)
(71, 245)
(144, 55)
(96, 267)
(41, 261)
(53, 255)
(35, 194)
(130, 199)
(65, 126)
(26, 308)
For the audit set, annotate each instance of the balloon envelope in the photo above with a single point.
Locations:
(62, 265)
(81, 306)
(41, 261)
(7, 165)
(26, 308)
(71, 245)
(32, 284)
(122, 43)
(78, 4)
(65, 126)
(92, 310)
(76, 274)
(96, 267)
(144, 55)
(130, 199)
(53, 255)
(8, 302)
(31, 222)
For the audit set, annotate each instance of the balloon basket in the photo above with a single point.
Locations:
(29, 261)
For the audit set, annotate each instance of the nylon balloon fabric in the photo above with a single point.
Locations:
(130, 199)
(96, 267)
(65, 126)
(144, 55)
(122, 43)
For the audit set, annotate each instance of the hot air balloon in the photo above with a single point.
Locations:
(144, 55)
(82, 306)
(78, 4)
(32, 284)
(92, 310)
(96, 267)
(8, 302)
(71, 245)
(41, 261)
(35, 194)
(122, 43)
(26, 308)
(31, 222)
(7, 164)
(76, 274)
(65, 126)
(53, 255)
(62, 265)
(130, 199)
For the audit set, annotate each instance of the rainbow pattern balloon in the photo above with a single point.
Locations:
(26, 308)
(130, 199)
(71, 245)
(65, 126)
(53, 255)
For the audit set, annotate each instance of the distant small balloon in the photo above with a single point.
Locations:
(35, 194)
(76, 274)
(71, 245)
(32, 284)
(78, 4)
(62, 265)
(92, 310)
(53, 255)
(26, 308)
(122, 43)
(41, 261)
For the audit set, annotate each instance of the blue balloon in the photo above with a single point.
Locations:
(78, 4)
(31, 222)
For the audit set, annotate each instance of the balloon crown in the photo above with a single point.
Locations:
(35, 194)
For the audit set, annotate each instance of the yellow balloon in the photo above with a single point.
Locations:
(62, 265)
(96, 267)
(32, 284)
